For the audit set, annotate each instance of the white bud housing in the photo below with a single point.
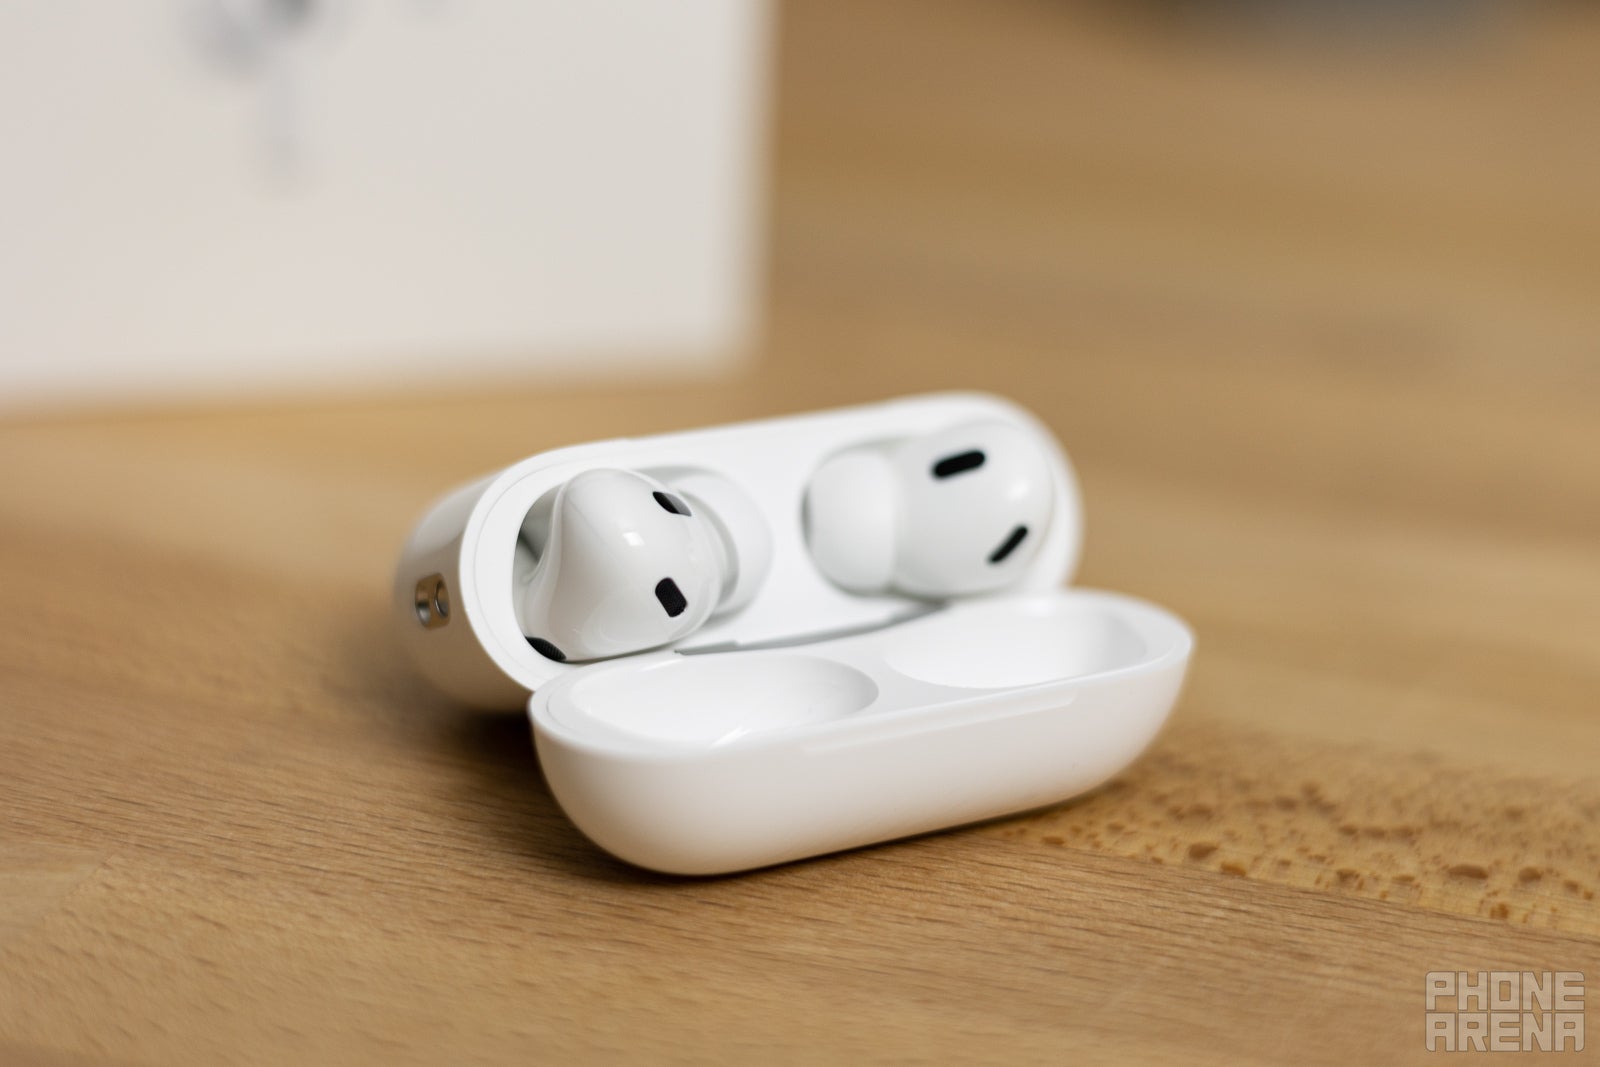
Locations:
(828, 704)
(959, 511)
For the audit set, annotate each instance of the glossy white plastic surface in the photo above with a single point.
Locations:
(812, 718)
(592, 593)
(868, 511)
(722, 762)
(469, 537)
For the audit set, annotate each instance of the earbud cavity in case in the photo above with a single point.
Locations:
(811, 717)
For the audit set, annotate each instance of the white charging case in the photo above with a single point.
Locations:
(812, 719)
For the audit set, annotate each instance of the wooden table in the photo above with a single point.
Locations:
(1322, 335)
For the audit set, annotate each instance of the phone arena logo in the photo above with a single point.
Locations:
(1505, 1011)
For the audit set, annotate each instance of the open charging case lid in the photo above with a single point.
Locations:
(812, 719)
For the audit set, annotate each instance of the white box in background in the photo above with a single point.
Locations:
(216, 197)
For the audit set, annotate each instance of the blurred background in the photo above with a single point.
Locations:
(226, 198)
(1310, 292)
(236, 199)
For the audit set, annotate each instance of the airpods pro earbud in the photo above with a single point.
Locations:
(960, 511)
(615, 562)
(880, 594)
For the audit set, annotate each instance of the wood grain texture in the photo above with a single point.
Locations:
(1322, 339)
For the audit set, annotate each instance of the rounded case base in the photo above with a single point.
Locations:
(713, 763)
(812, 719)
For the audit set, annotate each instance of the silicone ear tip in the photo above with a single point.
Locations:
(850, 520)
(743, 539)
